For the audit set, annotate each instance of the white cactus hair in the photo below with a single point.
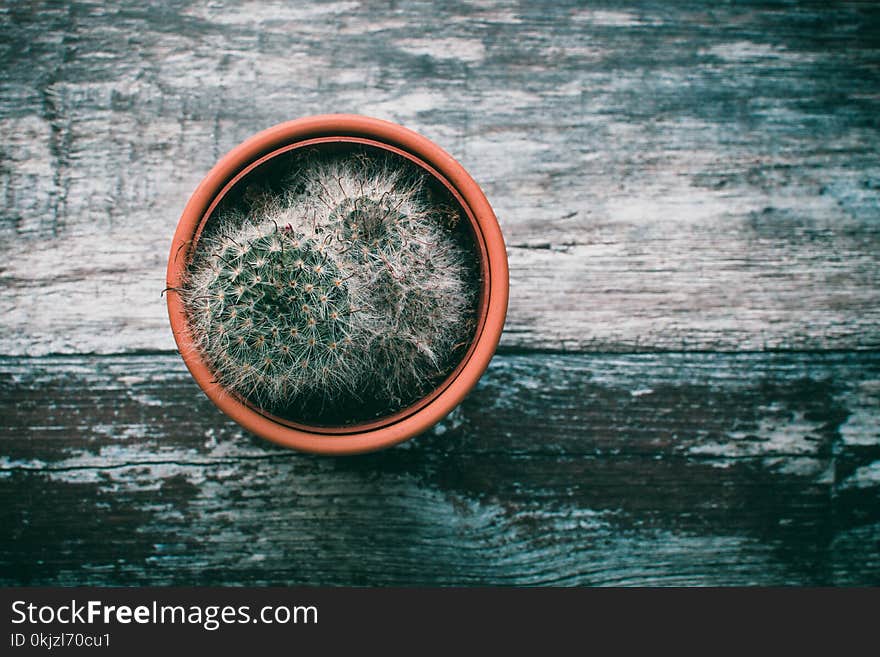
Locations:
(348, 284)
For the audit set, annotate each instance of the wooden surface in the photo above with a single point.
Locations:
(688, 389)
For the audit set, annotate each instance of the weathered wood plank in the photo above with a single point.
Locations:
(686, 175)
(630, 469)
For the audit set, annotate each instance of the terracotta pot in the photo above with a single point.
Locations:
(345, 128)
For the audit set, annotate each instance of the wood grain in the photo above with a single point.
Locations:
(670, 176)
(592, 469)
(674, 180)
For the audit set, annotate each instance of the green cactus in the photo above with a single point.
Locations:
(349, 284)
(274, 313)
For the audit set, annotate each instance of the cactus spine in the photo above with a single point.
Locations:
(348, 282)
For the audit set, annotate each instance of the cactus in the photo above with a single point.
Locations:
(273, 313)
(348, 282)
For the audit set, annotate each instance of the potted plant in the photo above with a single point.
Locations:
(337, 284)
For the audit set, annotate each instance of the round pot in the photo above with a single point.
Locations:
(493, 295)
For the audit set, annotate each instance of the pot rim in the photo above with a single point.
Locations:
(431, 408)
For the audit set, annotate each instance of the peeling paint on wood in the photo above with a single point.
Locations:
(668, 176)
(593, 469)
